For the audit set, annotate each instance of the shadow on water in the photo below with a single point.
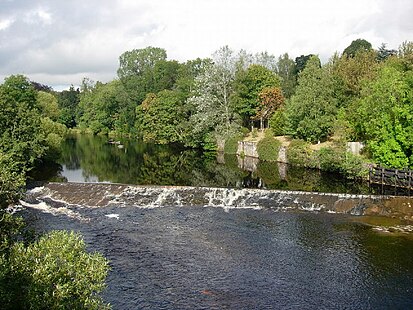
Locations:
(88, 158)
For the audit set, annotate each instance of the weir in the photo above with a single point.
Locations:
(104, 194)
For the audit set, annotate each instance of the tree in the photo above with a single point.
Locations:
(68, 101)
(137, 71)
(163, 117)
(105, 108)
(271, 99)
(301, 62)
(311, 111)
(20, 132)
(213, 115)
(248, 85)
(287, 70)
(48, 105)
(353, 71)
(383, 53)
(359, 45)
(54, 272)
(384, 117)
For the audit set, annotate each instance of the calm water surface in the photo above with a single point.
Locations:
(92, 159)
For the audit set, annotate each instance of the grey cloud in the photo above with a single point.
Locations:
(33, 47)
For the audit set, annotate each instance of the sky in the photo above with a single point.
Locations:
(59, 42)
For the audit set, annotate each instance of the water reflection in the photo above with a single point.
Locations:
(93, 159)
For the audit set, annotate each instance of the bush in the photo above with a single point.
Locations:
(12, 180)
(299, 154)
(268, 148)
(231, 144)
(343, 162)
(55, 272)
(278, 123)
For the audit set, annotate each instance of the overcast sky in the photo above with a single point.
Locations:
(58, 42)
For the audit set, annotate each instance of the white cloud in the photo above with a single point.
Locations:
(57, 42)
(5, 23)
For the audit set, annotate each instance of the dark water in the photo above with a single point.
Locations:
(212, 258)
(92, 159)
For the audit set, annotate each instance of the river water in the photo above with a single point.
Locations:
(89, 158)
(167, 256)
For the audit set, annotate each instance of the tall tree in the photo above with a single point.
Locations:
(20, 128)
(384, 117)
(213, 115)
(248, 85)
(137, 71)
(311, 111)
(301, 62)
(68, 101)
(271, 99)
(383, 53)
(286, 69)
(163, 117)
(359, 45)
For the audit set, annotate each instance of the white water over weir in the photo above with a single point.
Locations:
(99, 195)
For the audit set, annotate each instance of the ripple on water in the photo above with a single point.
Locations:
(205, 258)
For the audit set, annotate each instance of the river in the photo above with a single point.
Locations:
(89, 158)
(166, 255)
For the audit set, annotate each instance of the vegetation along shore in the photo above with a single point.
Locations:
(302, 111)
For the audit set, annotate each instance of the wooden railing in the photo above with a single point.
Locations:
(392, 180)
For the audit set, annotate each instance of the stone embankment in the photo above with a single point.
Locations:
(100, 195)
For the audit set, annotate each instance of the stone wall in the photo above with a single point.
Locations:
(247, 148)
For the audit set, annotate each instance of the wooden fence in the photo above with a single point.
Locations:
(392, 180)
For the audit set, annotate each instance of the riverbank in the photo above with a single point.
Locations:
(330, 156)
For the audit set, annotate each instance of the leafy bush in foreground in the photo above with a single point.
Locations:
(55, 272)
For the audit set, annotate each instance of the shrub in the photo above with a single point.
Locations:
(343, 162)
(12, 181)
(231, 144)
(278, 122)
(268, 147)
(55, 272)
(299, 154)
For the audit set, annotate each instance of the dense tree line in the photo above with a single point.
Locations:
(361, 94)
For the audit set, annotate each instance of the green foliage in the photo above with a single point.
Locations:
(299, 154)
(286, 69)
(278, 122)
(335, 159)
(359, 45)
(340, 161)
(55, 272)
(248, 85)
(268, 148)
(48, 105)
(231, 144)
(311, 111)
(140, 71)
(163, 117)
(12, 180)
(384, 117)
(301, 62)
(105, 108)
(68, 101)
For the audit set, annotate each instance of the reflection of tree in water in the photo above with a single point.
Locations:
(140, 163)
